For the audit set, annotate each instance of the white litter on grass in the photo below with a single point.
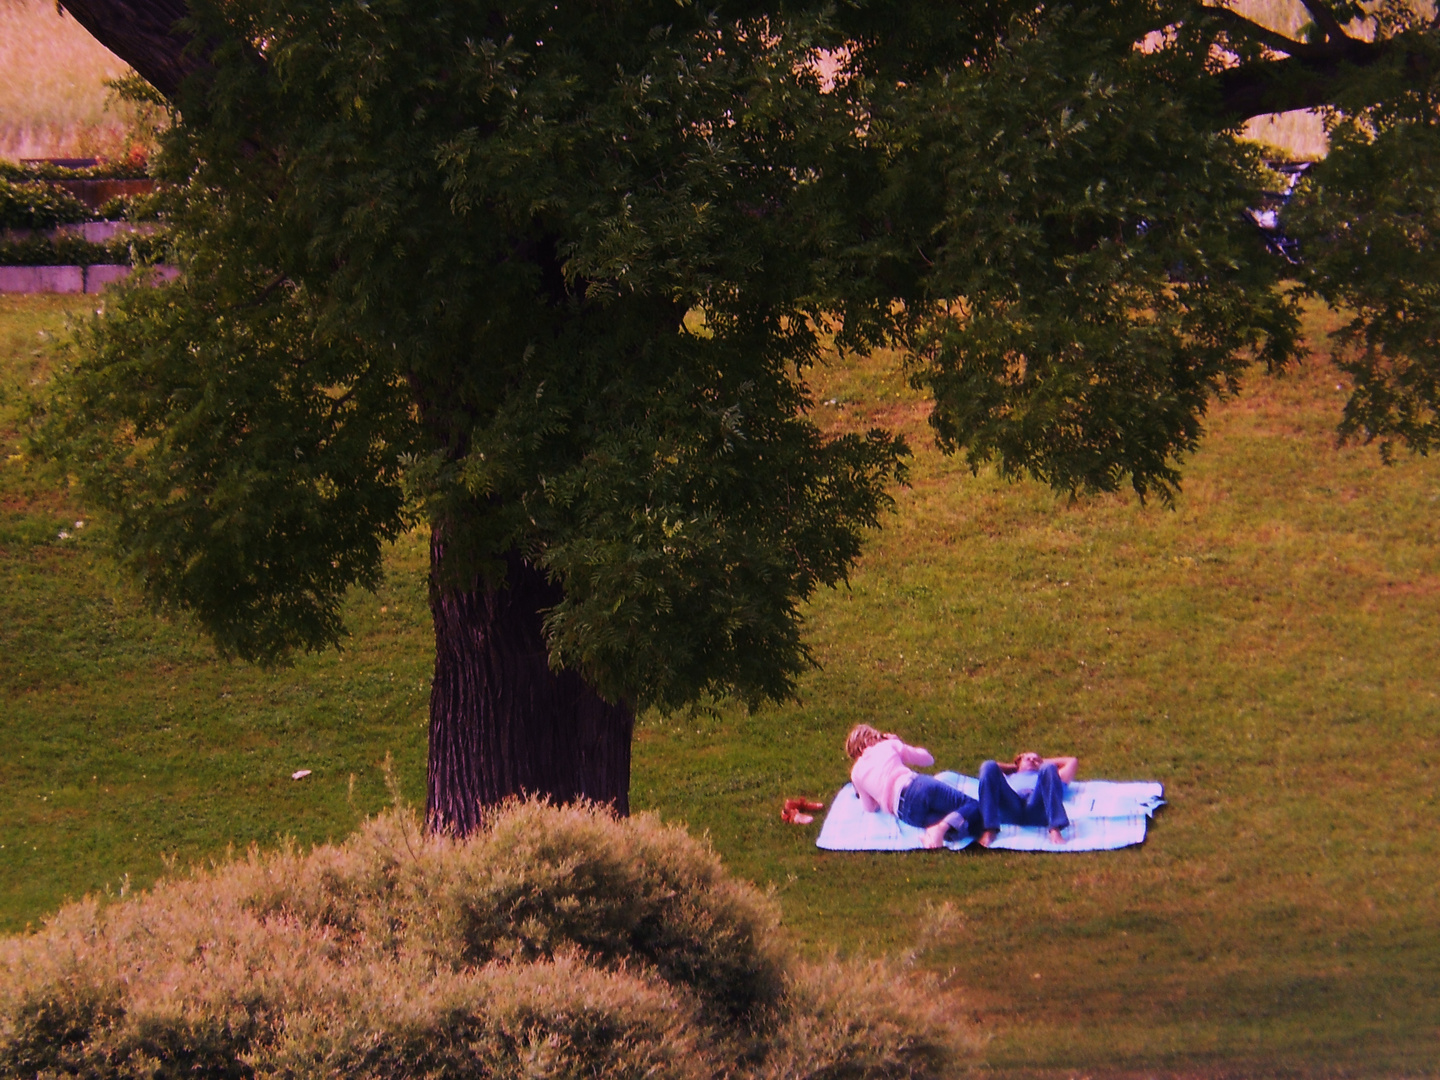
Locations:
(299, 774)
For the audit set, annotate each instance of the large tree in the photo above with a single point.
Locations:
(548, 277)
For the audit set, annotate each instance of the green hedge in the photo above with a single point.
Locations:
(34, 204)
(128, 208)
(73, 251)
(31, 198)
(110, 170)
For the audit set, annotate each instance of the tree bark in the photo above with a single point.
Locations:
(502, 723)
(1307, 80)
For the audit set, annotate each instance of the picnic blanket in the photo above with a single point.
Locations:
(1104, 814)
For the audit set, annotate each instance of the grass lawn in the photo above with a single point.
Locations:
(1268, 649)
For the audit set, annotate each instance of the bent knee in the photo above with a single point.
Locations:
(989, 767)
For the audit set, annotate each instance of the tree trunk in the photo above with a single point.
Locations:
(502, 723)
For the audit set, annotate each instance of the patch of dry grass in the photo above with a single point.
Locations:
(1287, 16)
(52, 86)
(1300, 134)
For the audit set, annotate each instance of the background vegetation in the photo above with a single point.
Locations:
(1267, 650)
(54, 101)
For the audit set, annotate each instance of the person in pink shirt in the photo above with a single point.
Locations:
(884, 780)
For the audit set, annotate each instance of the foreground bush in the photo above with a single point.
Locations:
(556, 943)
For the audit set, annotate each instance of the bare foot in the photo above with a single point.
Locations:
(1055, 837)
(935, 834)
(988, 837)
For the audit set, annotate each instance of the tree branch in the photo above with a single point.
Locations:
(1305, 81)
(143, 34)
(1326, 20)
(1237, 24)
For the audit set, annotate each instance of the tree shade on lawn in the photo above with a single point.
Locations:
(550, 278)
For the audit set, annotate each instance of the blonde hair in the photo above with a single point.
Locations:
(860, 739)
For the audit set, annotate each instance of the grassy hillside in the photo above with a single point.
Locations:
(1267, 649)
(53, 100)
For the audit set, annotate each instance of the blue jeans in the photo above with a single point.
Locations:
(926, 800)
(1002, 804)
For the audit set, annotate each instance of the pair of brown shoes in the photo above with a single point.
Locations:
(794, 811)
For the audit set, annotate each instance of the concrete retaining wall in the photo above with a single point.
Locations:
(92, 232)
(70, 279)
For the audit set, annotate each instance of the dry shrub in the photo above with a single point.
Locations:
(558, 942)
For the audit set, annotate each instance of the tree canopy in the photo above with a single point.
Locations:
(560, 305)
(550, 277)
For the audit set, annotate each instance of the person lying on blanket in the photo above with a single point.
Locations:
(1028, 791)
(884, 781)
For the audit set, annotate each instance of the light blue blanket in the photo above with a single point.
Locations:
(1104, 814)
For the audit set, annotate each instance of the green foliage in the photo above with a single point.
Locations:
(128, 208)
(43, 250)
(120, 169)
(148, 115)
(506, 332)
(568, 274)
(558, 943)
(1096, 282)
(245, 458)
(1368, 223)
(33, 204)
